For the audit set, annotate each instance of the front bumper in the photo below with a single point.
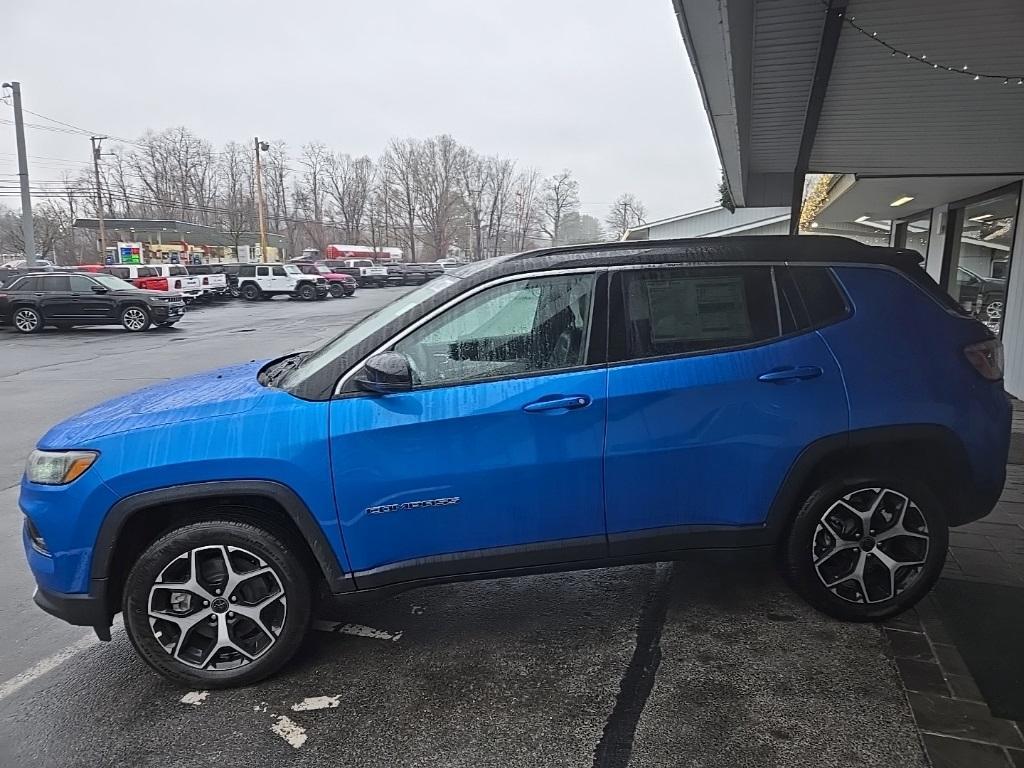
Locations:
(162, 312)
(82, 610)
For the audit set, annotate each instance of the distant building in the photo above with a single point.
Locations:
(719, 222)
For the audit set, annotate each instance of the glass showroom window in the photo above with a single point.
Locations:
(914, 234)
(979, 255)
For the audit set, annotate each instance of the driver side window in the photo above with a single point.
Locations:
(526, 326)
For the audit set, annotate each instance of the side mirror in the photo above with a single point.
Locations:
(386, 373)
(98, 289)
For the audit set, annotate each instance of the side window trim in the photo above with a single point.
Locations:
(343, 389)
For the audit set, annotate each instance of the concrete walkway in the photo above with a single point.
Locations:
(956, 725)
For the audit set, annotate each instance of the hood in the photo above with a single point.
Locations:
(208, 395)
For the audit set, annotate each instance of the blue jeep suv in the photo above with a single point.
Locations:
(558, 409)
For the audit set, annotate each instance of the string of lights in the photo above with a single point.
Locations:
(922, 58)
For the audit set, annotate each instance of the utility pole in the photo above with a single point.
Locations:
(96, 149)
(27, 228)
(260, 202)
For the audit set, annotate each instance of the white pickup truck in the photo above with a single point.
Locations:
(178, 279)
(365, 271)
(214, 281)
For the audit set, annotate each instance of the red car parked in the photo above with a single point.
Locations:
(338, 284)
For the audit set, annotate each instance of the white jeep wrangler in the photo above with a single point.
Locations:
(264, 281)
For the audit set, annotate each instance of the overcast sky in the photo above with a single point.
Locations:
(602, 87)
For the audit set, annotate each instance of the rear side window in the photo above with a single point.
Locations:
(148, 272)
(176, 271)
(686, 310)
(55, 283)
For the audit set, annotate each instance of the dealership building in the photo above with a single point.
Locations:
(914, 109)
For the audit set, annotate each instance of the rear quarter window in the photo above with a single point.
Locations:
(818, 296)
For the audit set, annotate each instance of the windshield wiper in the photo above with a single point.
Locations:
(282, 367)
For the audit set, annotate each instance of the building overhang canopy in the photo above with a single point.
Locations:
(791, 86)
(872, 198)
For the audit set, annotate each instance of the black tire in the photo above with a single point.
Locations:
(307, 292)
(337, 290)
(808, 544)
(26, 320)
(135, 318)
(234, 292)
(251, 292)
(272, 548)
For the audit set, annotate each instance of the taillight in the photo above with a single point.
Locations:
(987, 358)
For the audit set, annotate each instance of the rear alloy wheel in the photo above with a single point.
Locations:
(27, 320)
(251, 292)
(217, 604)
(135, 318)
(307, 292)
(337, 290)
(868, 548)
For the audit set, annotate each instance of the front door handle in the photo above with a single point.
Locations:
(558, 402)
(791, 373)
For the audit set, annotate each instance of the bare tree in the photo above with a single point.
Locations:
(500, 180)
(437, 178)
(349, 190)
(310, 193)
(627, 211)
(235, 170)
(580, 228)
(560, 196)
(525, 209)
(401, 168)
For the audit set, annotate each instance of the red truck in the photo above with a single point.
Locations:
(153, 278)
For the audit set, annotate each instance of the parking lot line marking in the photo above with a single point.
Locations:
(195, 698)
(48, 664)
(316, 702)
(358, 630)
(289, 731)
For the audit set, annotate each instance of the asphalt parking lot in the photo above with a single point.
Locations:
(684, 664)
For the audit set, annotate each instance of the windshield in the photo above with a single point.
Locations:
(291, 269)
(113, 283)
(175, 271)
(322, 269)
(365, 328)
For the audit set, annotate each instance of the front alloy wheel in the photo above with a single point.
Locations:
(135, 319)
(27, 320)
(217, 607)
(218, 603)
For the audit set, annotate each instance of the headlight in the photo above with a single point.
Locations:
(58, 467)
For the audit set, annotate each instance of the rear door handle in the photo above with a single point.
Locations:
(791, 373)
(558, 402)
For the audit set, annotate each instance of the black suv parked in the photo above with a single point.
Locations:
(66, 300)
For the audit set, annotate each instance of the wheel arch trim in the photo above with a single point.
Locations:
(787, 498)
(116, 519)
